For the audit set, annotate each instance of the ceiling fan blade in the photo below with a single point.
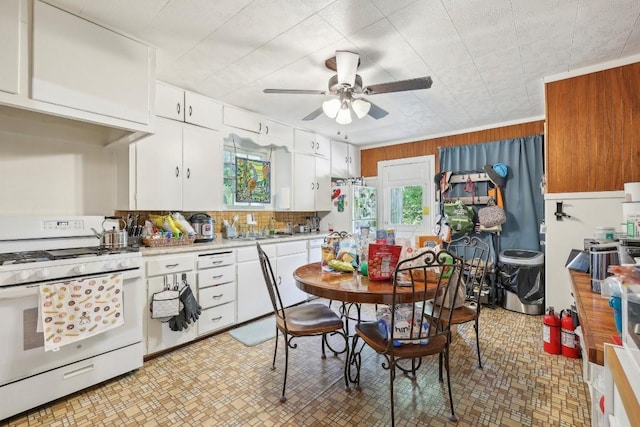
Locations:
(376, 112)
(296, 91)
(347, 65)
(312, 115)
(399, 86)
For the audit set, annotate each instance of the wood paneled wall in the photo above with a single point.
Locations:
(593, 131)
(370, 157)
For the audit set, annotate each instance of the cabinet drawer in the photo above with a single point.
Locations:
(290, 248)
(217, 259)
(216, 295)
(250, 253)
(215, 318)
(169, 264)
(216, 276)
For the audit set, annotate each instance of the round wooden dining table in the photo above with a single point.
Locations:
(354, 287)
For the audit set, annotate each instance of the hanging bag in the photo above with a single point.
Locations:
(166, 303)
(491, 215)
(460, 218)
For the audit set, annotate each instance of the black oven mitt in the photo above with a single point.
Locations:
(179, 322)
(192, 309)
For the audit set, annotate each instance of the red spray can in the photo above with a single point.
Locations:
(551, 332)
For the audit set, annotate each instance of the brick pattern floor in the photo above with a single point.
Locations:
(220, 382)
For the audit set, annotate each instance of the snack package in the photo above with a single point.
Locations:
(382, 261)
(404, 320)
(348, 251)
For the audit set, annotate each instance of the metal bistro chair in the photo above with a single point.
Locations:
(300, 321)
(474, 252)
(442, 271)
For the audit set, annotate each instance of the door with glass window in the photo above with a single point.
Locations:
(407, 202)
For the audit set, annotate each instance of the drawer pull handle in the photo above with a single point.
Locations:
(215, 319)
(217, 296)
(218, 276)
(171, 265)
(217, 262)
(78, 371)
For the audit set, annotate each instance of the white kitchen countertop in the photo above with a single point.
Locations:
(222, 244)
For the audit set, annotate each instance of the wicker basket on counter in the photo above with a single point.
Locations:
(166, 241)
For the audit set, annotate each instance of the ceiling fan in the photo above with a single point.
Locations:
(346, 84)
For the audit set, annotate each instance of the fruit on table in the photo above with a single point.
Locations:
(340, 265)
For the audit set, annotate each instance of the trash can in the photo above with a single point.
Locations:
(522, 280)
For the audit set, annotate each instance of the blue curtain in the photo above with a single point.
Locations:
(523, 200)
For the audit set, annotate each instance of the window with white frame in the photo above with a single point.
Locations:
(231, 153)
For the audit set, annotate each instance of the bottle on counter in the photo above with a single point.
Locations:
(272, 227)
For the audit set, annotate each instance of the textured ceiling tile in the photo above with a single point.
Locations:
(178, 28)
(546, 57)
(462, 77)
(401, 62)
(534, 22)
(73, 6)
(594, 50)
(387, 7)
(350, 16)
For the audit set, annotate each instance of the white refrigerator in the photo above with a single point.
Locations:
(352, 207)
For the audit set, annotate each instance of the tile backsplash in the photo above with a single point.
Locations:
(262, 218)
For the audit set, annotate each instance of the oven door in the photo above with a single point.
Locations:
(22, 352)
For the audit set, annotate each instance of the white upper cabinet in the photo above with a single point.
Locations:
(175, 169)
(88, 72)
(345, 160)
(177, 104)
(310, 143)
(311, 183)
(10, 46)
(262, 131)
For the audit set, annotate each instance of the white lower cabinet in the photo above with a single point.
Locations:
(216, 290)
(161, 271)
(253, 297)
(290, 256)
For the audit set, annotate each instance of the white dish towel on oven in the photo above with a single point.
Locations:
(77, 309)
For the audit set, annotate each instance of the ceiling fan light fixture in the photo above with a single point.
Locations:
(331, 107)
(360, 107)
(344, 115)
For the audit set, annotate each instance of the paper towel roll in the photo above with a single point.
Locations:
(632, 191)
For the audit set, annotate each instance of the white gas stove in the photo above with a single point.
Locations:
(37, 252)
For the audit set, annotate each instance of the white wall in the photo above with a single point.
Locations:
(587, 211)
(44, 175)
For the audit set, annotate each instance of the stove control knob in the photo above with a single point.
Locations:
(125, 263)
(79, 269)
(23, 275)
(110, 265)
(43, 273)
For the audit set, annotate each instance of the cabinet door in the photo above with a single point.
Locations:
(354, 160)
(202, 175)
(158, 335)
(277, 134)
(304, 142)
(339, 159)
(10, 46)
(84, 66)
(202, 111)
(252, 297)
(159, 168)
(323, 184)
(323, 146)
(304, 186)
(242, 119)
(169, 102)
(289, 292)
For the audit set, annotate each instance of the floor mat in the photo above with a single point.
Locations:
(255, 332)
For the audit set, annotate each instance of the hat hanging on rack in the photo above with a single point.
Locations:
(497, 173)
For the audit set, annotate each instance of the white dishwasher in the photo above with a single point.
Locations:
(315, 249)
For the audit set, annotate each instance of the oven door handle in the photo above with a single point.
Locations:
(18, 292)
